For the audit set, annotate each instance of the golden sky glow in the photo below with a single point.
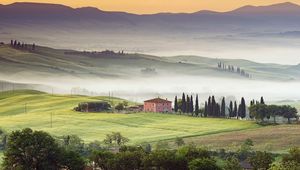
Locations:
(156, 6)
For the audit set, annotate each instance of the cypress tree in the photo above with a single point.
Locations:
(197, 106)
(175, 104)
(235, 110)
(187, 104)
(223, 107)
(231, 109)
(205, 109)
(183, 103)
(209, 107)
(243, 107)
(213, 106)
(262, 101)
(191, 105)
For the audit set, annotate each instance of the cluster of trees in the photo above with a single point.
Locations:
(186, 105)
(211, 109)
(260, 111)
(231, 68)
(22, 45)
(28, 149)
(96, 53)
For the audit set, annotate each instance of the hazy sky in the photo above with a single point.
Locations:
(155, 6)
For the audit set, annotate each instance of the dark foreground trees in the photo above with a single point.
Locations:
(28, 149)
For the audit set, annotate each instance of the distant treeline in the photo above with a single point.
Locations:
(95, 53)
(233, 69)
(258, 110)
(21, 45)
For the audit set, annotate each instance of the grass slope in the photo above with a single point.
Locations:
(53, 62)
(140, 127)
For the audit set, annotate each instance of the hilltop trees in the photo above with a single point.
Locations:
(23, 46)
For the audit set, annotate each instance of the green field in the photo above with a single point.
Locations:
(138, 127)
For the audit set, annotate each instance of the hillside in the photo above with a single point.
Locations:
(48, 63)
(232, 34)
(138, 127)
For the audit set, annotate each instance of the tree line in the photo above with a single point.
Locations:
(21, 45)
(258, 110)
(211, 108)
(28, 149)
(233, 69)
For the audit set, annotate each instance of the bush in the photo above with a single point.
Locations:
(261, 160)
(203, 164)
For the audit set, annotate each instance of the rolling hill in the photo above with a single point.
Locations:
(213, 133)
(48, 63)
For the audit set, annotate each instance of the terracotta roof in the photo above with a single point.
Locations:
(158, 100)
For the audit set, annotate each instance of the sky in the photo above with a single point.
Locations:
(156, 6)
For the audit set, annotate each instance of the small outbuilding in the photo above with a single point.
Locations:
(158, 105)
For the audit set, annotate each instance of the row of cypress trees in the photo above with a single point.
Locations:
(212, 108)
(19, 45)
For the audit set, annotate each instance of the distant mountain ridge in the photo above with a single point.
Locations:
(28, 9)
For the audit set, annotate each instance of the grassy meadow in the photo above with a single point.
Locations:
(33, 109)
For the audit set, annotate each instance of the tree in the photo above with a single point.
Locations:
(232, 163)
(246, 149)
(28, 149)
(191, 105)
(294, 155)
(175, 104)
(127, 160)
(223, 107)
(242, 108)
(203, 164)
(120, 106)
(205, 109)
(262, 101)
(188, 104)
(258, 111)
(261, 160)
(115, 138)
(183, 103)
(289, 112)
(102, 159)
(197, 110)
(235, 110)
(179, 141)
(231, 109)
(213, 106)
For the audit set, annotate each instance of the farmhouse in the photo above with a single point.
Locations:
(157, 105)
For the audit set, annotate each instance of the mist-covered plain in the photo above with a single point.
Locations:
(183, 49)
